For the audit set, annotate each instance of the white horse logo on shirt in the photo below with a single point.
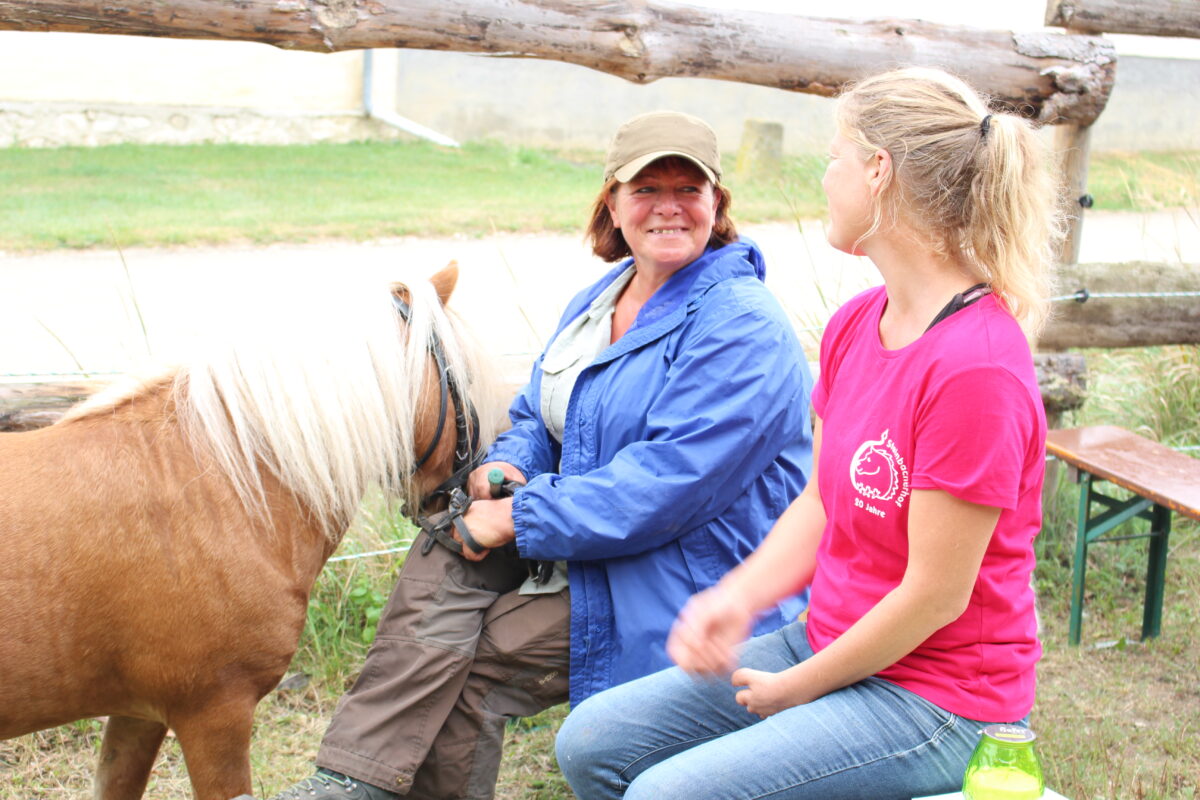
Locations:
(878, 472)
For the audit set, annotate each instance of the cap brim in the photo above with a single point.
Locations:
(628, 172)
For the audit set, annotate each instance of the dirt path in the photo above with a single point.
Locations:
(65, 307)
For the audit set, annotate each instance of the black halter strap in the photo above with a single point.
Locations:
(466, 428)
(466, 422)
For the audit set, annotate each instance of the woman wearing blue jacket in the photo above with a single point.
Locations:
(663, 430)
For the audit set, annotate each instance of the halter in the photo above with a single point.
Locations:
(466, 430)
(466, 427)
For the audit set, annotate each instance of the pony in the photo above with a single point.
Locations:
(159, 543)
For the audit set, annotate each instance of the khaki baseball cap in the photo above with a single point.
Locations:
(649, 137)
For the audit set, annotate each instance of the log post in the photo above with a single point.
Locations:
(1062, 379)
(761, 151)
(1071, 145)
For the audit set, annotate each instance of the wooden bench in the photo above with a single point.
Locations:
(1162, 481)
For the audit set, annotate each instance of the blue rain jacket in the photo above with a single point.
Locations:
(683, 442)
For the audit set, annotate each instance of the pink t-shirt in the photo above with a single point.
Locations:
(957, 410)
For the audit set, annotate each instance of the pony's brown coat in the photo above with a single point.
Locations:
(135, 584)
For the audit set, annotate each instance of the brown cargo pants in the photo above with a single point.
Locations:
(458, 652)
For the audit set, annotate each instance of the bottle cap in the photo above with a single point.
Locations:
(1010, 734)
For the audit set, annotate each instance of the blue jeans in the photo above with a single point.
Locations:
(669, 736)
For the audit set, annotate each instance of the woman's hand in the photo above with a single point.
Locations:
(477, 482)
(766, 693)
(491, 525)
(706, 633)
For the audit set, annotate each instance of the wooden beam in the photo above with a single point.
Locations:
(1047, 76)
(24, 407)
(1146, 17)
(1125, 321)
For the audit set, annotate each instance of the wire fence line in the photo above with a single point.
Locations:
(1083, 295)
(91, 373)
(400, 548)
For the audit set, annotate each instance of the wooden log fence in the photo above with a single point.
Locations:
(1145, 17)
(1060, 79)
(27, 406)
(1048, 76)
(1073, 139)
(1135, 304)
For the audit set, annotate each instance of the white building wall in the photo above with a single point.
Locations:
(1155, 104)
(89, 89)
(139, 70)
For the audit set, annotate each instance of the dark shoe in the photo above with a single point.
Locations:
(330, 785)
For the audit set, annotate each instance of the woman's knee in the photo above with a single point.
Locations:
(583, 747)
(612, 737)
(664, 780)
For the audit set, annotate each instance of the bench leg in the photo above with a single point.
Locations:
(1080, 563)
(1156, 572)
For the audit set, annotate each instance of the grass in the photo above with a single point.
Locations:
(216, 194)
(160, 195)
(1118, 718)
(1144, 181)
(141, 195)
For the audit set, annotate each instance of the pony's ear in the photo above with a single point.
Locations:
(444, 281)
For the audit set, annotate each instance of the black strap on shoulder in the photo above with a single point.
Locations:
(961, 301)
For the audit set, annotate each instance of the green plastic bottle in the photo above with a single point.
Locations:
(495, 478)
(1004, 766)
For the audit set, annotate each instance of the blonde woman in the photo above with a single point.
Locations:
(916, 534)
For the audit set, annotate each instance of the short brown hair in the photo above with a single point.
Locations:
(609, 243)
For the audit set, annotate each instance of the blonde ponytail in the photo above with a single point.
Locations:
(974, 183)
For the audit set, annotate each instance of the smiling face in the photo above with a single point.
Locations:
(666, 214)
(848, 192)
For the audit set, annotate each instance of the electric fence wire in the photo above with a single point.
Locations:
(404, 545)
(1083, 295)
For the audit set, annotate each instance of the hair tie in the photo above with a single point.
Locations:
(985, 126)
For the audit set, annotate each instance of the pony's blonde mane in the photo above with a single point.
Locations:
(327, 403)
